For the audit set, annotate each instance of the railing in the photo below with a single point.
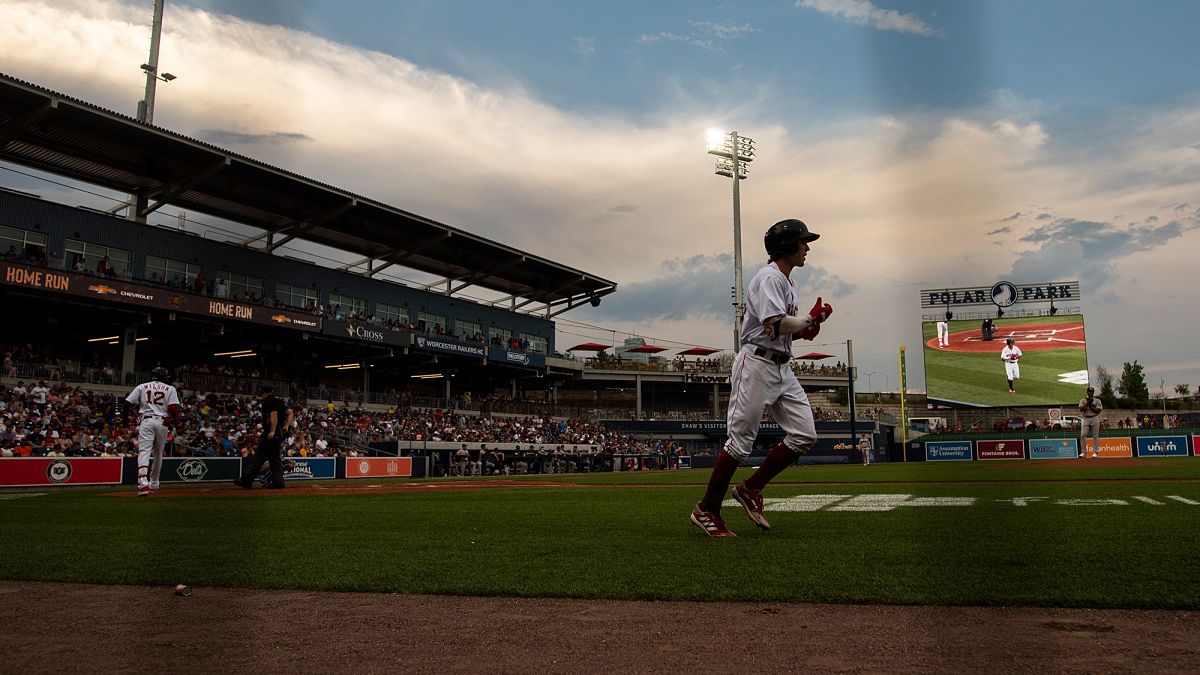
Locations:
(63, 371)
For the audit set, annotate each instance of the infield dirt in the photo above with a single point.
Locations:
(68, 628)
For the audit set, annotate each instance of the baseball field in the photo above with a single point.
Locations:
(969, 371)
(959, 535)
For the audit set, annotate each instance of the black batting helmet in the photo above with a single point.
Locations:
(160, 374)
(785, 236)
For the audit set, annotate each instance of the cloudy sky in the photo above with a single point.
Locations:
(932, 143)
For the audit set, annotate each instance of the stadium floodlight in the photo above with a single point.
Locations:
(105, 339)
(240, 351)
(733, 153)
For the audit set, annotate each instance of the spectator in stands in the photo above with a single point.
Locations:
(11, 253)
(102, 267)
(221, 289)
(79, 266)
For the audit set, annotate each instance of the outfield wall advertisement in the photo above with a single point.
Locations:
(200, 469)
(379, 467)
(1009, 449)
(948, 451)
(1053, 448)
(964, 366)
(1112, 446)
(1162, 446)
(310, 468)
(43, 471)
(1196, 445)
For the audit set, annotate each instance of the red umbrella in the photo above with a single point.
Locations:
(698, 351)
(589, 347)
(815, 355)
(646, 349)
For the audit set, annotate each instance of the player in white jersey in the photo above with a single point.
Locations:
(157, 405)
(1012, 369)
(943, 331)
(762, 378)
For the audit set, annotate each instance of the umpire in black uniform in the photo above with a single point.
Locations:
(276, 420)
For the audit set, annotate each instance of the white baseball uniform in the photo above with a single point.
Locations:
(1010, 355)
(153, 400)
(761, 375)
(943, 331)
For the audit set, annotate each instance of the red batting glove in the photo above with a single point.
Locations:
(820, 312)
(808, 333)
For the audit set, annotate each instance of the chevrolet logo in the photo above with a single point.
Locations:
(279, 318)
(102, 289)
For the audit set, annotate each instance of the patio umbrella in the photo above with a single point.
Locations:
(698, 351)
(815, 355)
(646, 349)
(589, 347)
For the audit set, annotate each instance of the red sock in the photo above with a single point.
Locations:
(780, 458)
(718, 481)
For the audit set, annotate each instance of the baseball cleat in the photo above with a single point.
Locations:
(751, 501)
(144, 491)
(712, 523)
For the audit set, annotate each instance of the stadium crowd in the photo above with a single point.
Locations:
(37, 419)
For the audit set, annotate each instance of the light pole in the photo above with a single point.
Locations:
(873, 372)
(145, 111)
(733, 152)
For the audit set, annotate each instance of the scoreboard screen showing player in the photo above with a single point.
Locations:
(972, 363)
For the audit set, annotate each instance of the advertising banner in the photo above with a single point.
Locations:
(948, 451)
(1053, 448)
(366, 332)
(379, 467)
(200, 469)
(1009, 449)
(1113, 446)
(1196, 445)
(513, 358)
(305, 468)
(146, 295)
(443, 345)
(42, 471)
(1162, 446)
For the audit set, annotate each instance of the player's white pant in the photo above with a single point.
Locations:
(1090, 427)
(943, 334)
(1012, 370)
(761, 383)
(152, 437)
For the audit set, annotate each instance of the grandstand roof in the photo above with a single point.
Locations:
(52, 132)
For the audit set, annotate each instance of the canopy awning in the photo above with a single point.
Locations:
(814, 356)
(698, 351)
(589, 347)
(646, 349)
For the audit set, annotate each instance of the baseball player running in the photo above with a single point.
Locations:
(762, 379)
(157, 403)
(1012, 369)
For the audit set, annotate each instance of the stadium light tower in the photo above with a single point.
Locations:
(733, 153)
(145, 110)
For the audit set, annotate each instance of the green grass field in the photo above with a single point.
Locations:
(978, 378)
(627, 536)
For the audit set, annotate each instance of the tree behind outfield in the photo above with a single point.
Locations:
(1132, 385)
(1108, 396)
(1183, 390)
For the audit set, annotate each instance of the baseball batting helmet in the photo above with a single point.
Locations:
(160, 374)
(785, 236)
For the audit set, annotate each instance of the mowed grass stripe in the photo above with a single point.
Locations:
(613, 542)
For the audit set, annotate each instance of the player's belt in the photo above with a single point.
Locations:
(777, 357)
(152, 417)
